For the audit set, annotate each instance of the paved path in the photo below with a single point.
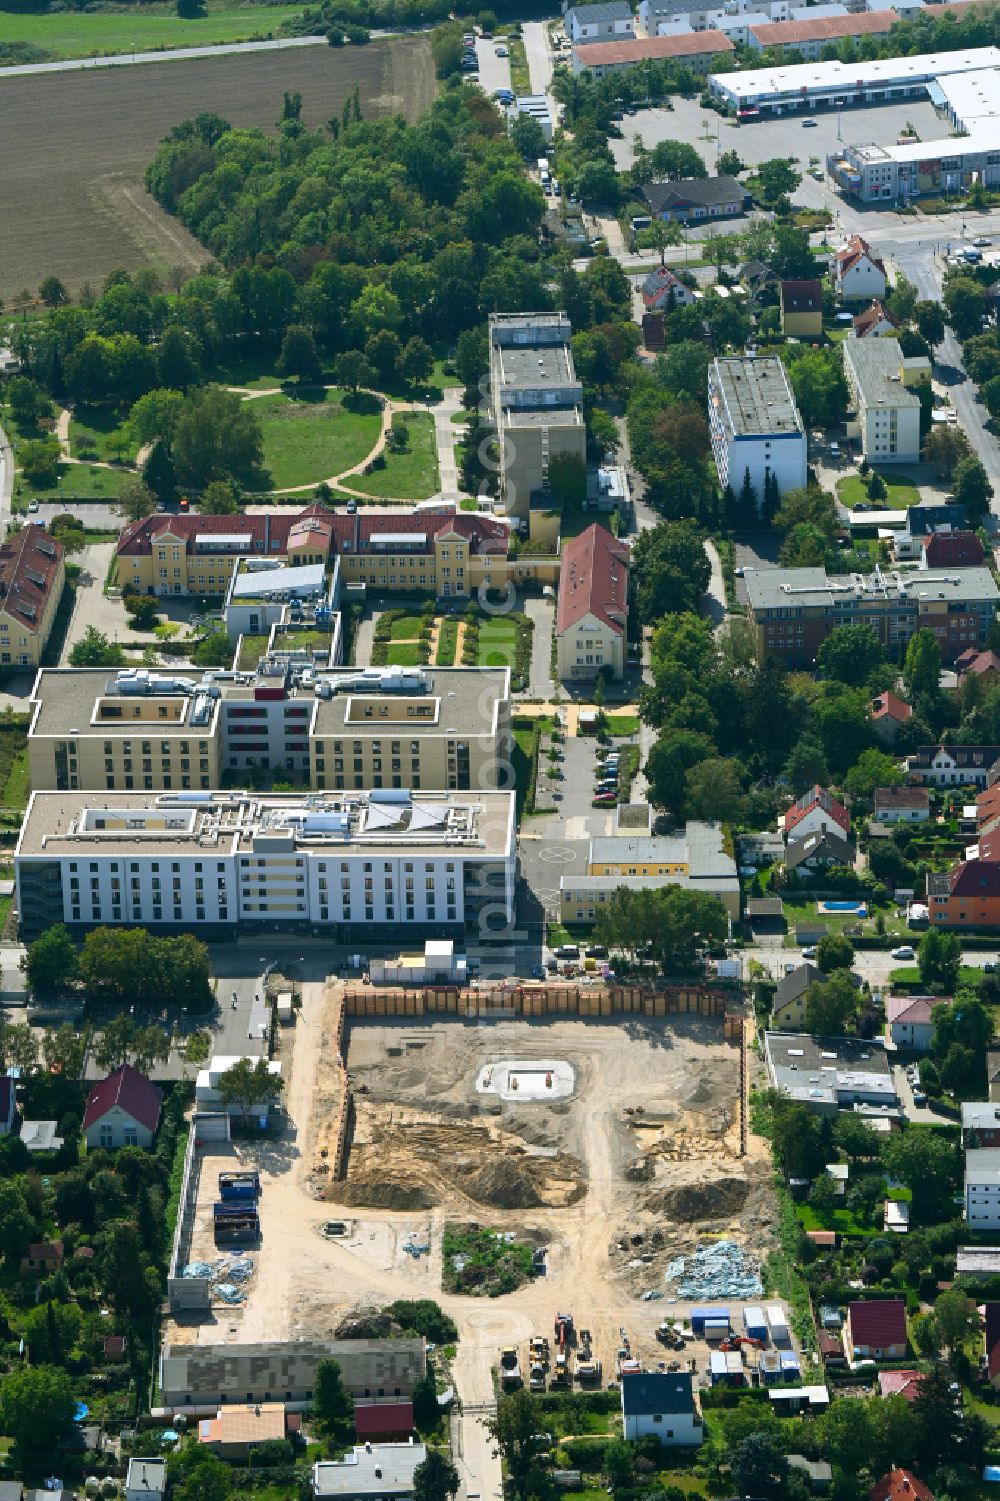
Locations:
(535, 35)
(541, 612)
(6, 481)
(177, 54)
(714, 601)
(446, 434)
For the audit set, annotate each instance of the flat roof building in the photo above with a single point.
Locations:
(370, 1472)
(755, 425)
(536, 401)
(830, 1073)
(696, 859)
(831, 85)
(354, 864)
(887, 411)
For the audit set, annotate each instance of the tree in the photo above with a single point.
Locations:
(250, 1085)
(834, 951)
(957, 1319)
(435, 1478)
(68, 530)
(95, 650)
(27, 401)
(299, 355)
(50, 963)
(64, 1051)
(217, 436)
(817, 377)
(37, 1406)
(854, 1137)
(52, 292)
(806, 765)
(965, 305)
(417, 360)
(40, 461)
(873, 768)
(207, 1478)
(670, 570)
(800, 1138)
(972, 488)
(938, 957)
(713, 790)
(848, 1436)
(154, 416)
(352, 370)
(159, 473)
(944, 447)
(922, 667)
(669, 762)
(18, 1047)
(115, 1043)
(512, 1429)
(333, 1407)
(17, 1226)
(928, 1166)
(219, 498)
(567, 481)
(930, 321)
(730, 164)
(776, 179)
(831, 1004)
(758, 1466)
(876, 488)
(619, 1465)
(850, 654)
(675, 159)
(527, 136)
(176, 365)
(143, 610)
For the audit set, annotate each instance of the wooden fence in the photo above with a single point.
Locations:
(534, 1000)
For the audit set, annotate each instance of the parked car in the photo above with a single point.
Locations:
(904, 951)
(982, 241)
(810, 952)
(919, 1098)
(502, 52)
(32, 506)
(808, 124)
(601, 799)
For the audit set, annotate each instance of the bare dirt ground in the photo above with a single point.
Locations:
(76, 146)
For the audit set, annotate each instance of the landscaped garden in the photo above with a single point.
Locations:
(403, 638)
(447, 645)
(900, 492)
(310, 436)
(98, 433)
(407, 469)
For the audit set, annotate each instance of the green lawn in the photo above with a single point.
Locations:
(520, 79)
(411, 474)
(143, 28)
(623, 724)
(100, 426)
(447, 643)
(902, 492)
(311, 437)
(252, 648)
(403, 654)
(74, 479)
(497, 644)
(406, 628)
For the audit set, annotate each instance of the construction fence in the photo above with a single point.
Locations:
(535, 1000)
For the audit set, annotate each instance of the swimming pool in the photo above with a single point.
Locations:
(858, 909)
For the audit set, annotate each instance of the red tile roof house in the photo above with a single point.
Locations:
(663, 290)
(43, 1256)
(978, 664)
(887, 714)
(900, 1384)
(908, 1020)
(874, 321)
(993, 1344)
(814, 812)
(592, 612)
(902, 804)
(858, 274)
(876, 1329)
(122, 1111)
(952, 550)
(900, 1485)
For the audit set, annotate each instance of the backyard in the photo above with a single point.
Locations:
(901, 492)
(313, 435)
(409, 473)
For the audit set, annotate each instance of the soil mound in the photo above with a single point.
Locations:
(362, 1193)
(368, 1323)
(718, 1198)
(504, 1184)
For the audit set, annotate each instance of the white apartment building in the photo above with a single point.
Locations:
(887, 420)
(606, 21)
(982, 1188)
(356, 865)
(755, 424)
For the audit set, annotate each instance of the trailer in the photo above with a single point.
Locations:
(755, 1322)
(777, 1324)
(239, 1187)
(701, 1316)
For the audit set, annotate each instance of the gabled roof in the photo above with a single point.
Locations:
(878, 1322)
(792, 985)
(693, 192)
(802, 296)
(659, 284)
(686, 44)
(966, 757)
(975, 878)
(980, 662)
(900, 1485)
(888, 706)
(130, 1090)
(953, 550)
(374, 1418)
(645, 1392)
(900, 1384)
(601, 10)
(593, 580)
(888, 798)
(823, 845)
(29, 564)
(822, 29)
(913, 1010)
(818, 797)
(993, 1339)
(856, 249)
(872, 317)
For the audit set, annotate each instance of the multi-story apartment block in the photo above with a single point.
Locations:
(887, 411)
(98, 730)
(448, 554)
(353, 865)
(755, 425)
(32, 574)
(602, 22)
(536, 399)
(793, 610)
(809, 36)
(698, 51)
(982, 1188)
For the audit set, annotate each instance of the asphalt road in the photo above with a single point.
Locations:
(494, 72)
(179, 54)
(6, 480)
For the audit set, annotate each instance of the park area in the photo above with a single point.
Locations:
(313, 435)
(408, 471)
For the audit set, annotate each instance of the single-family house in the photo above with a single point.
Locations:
(592, 608)
(661, 1403)
(952, 765)
(904, 1384)
(801, 305)
(788, 1009)
(605, 21)
(902, 804)
(8, 1104)
(814, 812)
(114, 1346)
(146, 1479)
(876, 1329)
(984, 665)
(933, 516)
(874, 321)
(859, 275)
(756, 277)
(818, 851)
(662, 291)
(693, 199)
(966, 896)
(900, 1485)
(370, 1472)
(831, 1342)
(236, 1431)
(123, 1110)
(952, 550)
(888, 714)
(992, 1340)
(43, 1256)
(908, 1020)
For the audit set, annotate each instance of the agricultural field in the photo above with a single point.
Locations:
(76, 146)
(308, 439)
(142, 28)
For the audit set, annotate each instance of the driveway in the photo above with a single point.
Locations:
(101, 518)
(6, 480)
(542, 613)
(918, 1115)
(364, 638)
(535, 35)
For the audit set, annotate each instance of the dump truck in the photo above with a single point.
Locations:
(510, 1369)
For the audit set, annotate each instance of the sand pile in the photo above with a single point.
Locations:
(709, 1199)
(368, 1193)
(503, 1183)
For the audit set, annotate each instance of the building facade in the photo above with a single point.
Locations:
(982, 1188)
(699, 51)
(809, 36)
(32, 576)
(859, 275)
(603, 22)
(696, 859)
(965, 897)
(592, 609)
(220, 864)
(887, 410)
(536, 401)
(94, 728)
(755, 425)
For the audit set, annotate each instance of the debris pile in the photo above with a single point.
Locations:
(226, 1274)
(720, 1270)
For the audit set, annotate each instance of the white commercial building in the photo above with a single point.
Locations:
(982, 1188)
(354, 865)
(755, 425)
(817, 86)
(370, 1472)
(887, 411)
